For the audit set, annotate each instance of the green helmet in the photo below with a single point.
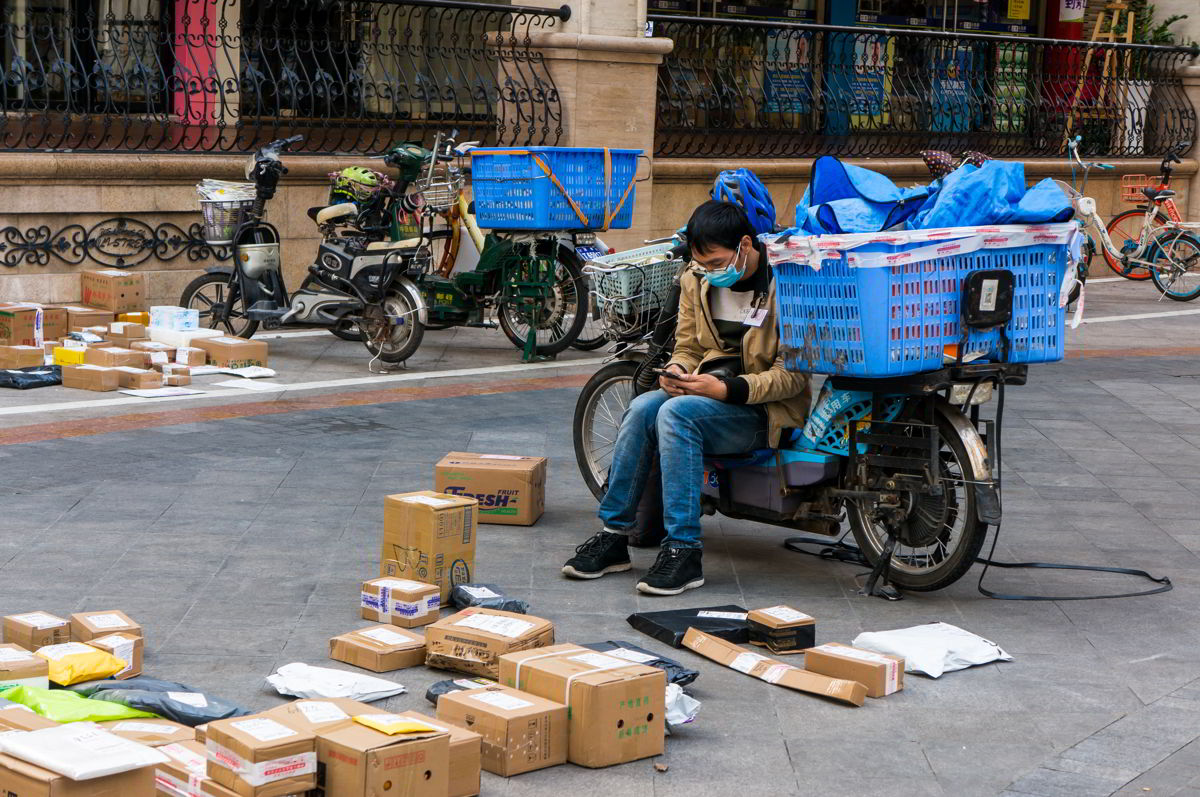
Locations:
(354, 184)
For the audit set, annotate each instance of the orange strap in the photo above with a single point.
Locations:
(570, 201)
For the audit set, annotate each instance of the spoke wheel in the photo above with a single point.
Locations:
(558, 320)
(598, 415)
(940, 536)
(220, 304)
(392, 331)
(1125, 229)
(1176, 258)
(593, 335)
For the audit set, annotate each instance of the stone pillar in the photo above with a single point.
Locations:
(1191, 87)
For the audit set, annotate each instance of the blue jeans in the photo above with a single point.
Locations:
(680, 431)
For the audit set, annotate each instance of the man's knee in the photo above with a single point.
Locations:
(678, 413)
(644, 409)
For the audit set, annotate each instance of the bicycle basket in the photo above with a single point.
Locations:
(634, 280)
(441, 189)
(222, 217)
(1132, 185)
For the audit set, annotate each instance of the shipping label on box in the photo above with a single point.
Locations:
(20, 667)
(229, 352)
(521, 732)
(34, 630)
(127, 648)
(381, 648)
(430, 537)
(880, 673)
(152, 732)
(473, 640)
(21, 325)
(258, 756)
(401, 602)
(114, 290)
(511, 490)
(782, 629)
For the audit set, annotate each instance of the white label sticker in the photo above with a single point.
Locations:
(40, 620)
(631, 655)
(386, 636)
(9, 654)
(501, 700)
(189, 698)
(131, 726)
(987, 295)
(120, 647)
(786, 614)
(57, 652)
(478, 592)
(499, 456)
(265, 730)
(192, 761)
(108, 620)
(509, 627)
(158, 357)
(775, 672)
(745, 662)
(723, 615)
(316, 713)
(467, 683)
(599, 660)
(401, 584)
(427, 500)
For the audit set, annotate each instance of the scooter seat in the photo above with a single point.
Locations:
(1155, 194)
(407, 243)
(341, 210)
(800, 467)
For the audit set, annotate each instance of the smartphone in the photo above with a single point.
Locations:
(668, 374)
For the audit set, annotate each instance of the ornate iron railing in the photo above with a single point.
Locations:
(225, 75)
(771, 89)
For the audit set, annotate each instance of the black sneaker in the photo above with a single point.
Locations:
(603, 553)
(675, 570)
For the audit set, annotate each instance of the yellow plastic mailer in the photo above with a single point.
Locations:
(393, 724)
(73, 662)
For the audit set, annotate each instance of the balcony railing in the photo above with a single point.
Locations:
(226, 75)
(739, 88)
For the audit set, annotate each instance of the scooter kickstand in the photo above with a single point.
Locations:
(873, 587)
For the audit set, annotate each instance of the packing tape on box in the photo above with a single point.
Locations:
(168, 783)
(586, 657)
(262, 772)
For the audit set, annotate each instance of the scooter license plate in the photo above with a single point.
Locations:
(587, 252)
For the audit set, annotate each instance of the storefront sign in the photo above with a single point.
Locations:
(1071, 10)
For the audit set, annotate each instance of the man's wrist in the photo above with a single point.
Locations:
(737, 390)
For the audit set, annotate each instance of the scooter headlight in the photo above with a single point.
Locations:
(960, 392)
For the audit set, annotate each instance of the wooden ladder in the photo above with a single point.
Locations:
(1111, 14)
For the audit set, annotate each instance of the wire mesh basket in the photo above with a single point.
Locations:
(440, 189)
(1132, 185)
(222, 217)
(631, 286)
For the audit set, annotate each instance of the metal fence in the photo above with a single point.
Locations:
(226, 75)
(768, 89)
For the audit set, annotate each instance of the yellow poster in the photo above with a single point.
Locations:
(1018, 9)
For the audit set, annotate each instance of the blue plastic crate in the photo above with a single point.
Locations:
(512, 192)
(897, 320)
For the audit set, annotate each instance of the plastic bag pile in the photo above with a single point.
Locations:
(843, 198)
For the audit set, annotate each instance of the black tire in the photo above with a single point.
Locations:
(957, 561)
(348, 330)
(609, 378)
(396, 337)
(213, 291)
(569, 280)
(1180, 287)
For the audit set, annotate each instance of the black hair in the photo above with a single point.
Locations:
(717, 224)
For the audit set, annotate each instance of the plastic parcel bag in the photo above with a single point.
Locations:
(72, 662)
(141, 683)
(61, 705)
(676, 672)
(681, 707)
(933, 649)
(303, 680)
(439, 688)
(81, 751)
(488, 596)
(186, 708)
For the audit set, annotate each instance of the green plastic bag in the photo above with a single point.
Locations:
(62, 705)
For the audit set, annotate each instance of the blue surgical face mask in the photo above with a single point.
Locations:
(724, 277)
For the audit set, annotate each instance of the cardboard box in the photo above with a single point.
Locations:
(34, 630)
(229, 352)
(89, 377)
(154, 346)
(511, 490)
(65, 356)
(127, 648)
(380, 648)
(22, 356)
(100, 331)
(782, 629)
(125, 333)
(465, 756)
(19, 667)
(113, 289)
(21, 325)
(317, 714)
(185, 775)
(16, 717)
(429, 537)
(190, 355)
(152, 732)
(174, 317)
(400, 601)
(361, 760)
(259, 756)
(79, 316)
(112, 357)
(774, 672)
(177, 380)
(55, 323)
(473, 640)
(86, 626)
(617, 710)
(880, 673)
(138, 378)
(521, 732)
(22, 779)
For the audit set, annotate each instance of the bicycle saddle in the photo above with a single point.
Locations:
(1155, 194)
(407, 243)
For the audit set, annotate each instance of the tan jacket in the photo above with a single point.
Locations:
(786, 394)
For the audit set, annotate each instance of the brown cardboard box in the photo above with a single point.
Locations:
(617, 710)
(18, 718)
(128, 330)
(112, 357)
(79, 316)
(185, 775)
(138, 378)
(781, 629)
(115, 290)
(283, 759)
(21, 779)
(152, 732)
(177, 380)
(521, 732)
(86, 626)
(880, 673)
(21, 325)
(54, 321)
(400, 601)
(22, 356)
(511, 490)
(154, 345)
(34, 630)
(473, 640)
(318, 714)
(88, 377)
(771, 671)
(229, 352)
(465, 756)
(190, 355)
(126, 647)
(100, 331)
(380, 648)
(19, 667)
(429, 537)
(361, 760)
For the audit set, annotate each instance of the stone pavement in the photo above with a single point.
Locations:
(240, 543)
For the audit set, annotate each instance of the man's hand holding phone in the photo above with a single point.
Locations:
(671, 379)
(676, 383)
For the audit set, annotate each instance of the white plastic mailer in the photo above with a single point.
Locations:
(304, 680)
(80, 751)
(934, 648)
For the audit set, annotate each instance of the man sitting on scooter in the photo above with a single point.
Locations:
(724, 391)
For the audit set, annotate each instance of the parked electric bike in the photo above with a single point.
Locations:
(915, 481)
(355, 283)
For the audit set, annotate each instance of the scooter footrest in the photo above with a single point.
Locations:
(264, 314)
